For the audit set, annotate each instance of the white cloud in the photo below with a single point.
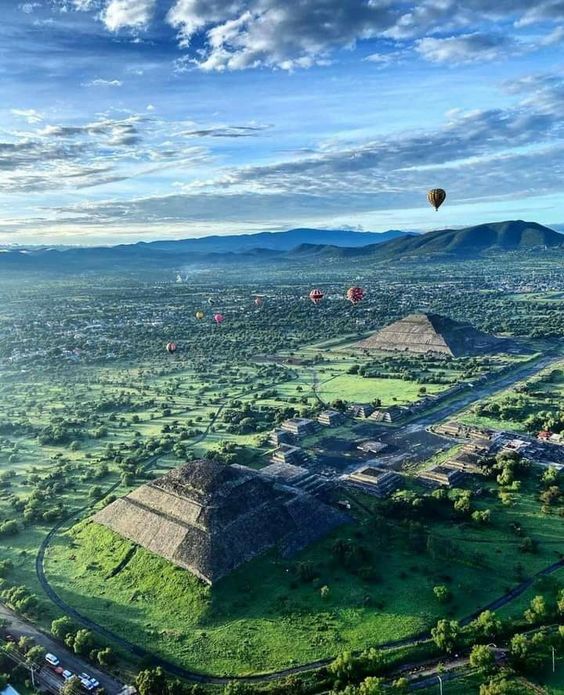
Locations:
(29, 7)
(286, 35)
(466, 48)
(30, 115)
(122, 14)
(103, 83)
(221, 35)
(276, 33)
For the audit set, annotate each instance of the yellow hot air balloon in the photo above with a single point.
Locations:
(200, 315)
(436, 197)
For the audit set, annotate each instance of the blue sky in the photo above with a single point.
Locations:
(139, 119)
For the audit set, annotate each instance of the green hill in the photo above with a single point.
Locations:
(494, 237)
(469, 242)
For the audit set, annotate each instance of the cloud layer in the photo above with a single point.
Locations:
(482, 155)
(221, 35)
(224, 114)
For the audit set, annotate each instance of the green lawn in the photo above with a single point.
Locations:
(263, 618)
(352, 387)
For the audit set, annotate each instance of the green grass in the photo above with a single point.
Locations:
(352, 387)
(262, 618)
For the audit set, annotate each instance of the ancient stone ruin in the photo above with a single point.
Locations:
(432, 333)
(210, 518)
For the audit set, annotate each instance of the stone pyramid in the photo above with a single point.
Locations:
(209, 518)
(431, 333)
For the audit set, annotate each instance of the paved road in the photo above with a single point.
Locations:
(481, 391)
(417, 423)
(19, 627)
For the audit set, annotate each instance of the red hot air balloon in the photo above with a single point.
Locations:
(171, 347)
(218, 318)
(316, 296)
(355, 294)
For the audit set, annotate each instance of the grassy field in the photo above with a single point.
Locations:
(470, 684)
(351, 387)
(263, 617)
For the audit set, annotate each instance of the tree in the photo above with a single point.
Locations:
(71, 687)
(344, 668)
(371, 686)
(9, 528)
(401, 685)
(442, 593)
(487, 625)
(481, 517)
(497, 686)
(237, 688)
(35, 655)
(537, 611)
(446, 634)
(560, 602)
(83, 642)
(106, 657)
(61, 627)
(151, 682)
(482, 658)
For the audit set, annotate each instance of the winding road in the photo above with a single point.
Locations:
(424, 420)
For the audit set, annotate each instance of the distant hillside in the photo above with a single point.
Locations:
(175, 253)
(276, 241)
(469, 242)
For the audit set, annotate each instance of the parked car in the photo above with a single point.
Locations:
(67, 675)
(88, 683)
(52, 659)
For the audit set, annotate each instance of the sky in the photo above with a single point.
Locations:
(127, 120)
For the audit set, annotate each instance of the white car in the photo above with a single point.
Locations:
(52, 659)
(67, 675)
(88, 683)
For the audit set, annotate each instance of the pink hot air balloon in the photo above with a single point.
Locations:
(218, 318)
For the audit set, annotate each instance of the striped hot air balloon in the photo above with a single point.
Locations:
(436, 197)
(316, 296)
(171, 348)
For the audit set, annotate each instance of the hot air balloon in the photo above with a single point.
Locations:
(258, 301)
(436, 197)
(171, 347)
(316, 296)
(210, 300)
(355, 294)
(218, 318)
(200, 315)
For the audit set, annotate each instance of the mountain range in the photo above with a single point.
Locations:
(293, 245)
